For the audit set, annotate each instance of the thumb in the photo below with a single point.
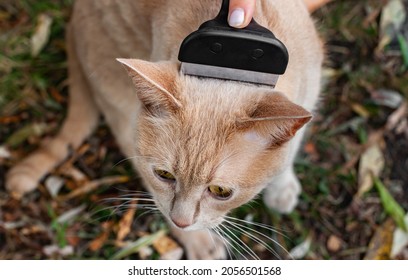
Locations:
(240, 12)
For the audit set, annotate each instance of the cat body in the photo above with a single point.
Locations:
(210, 135)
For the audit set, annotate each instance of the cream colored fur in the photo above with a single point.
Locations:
(204, 131)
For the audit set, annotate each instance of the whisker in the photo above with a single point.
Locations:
(255, 238)
(122, 207)
(227, 244)
(264, 235)
(271, 228)
(144, 193)
(241, 244)
(130, 199)
(130, 158)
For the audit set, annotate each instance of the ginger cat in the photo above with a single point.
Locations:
(202, 146)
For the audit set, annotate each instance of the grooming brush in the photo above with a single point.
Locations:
(216, 50)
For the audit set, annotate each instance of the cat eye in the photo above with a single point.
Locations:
(219, 192)
(164, 175)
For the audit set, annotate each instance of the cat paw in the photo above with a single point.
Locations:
(283, 196)
(202, 245)
(21, 180)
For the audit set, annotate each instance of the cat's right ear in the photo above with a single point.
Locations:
(274, 119)
(155, 83)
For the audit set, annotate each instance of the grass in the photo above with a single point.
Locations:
(33, 99)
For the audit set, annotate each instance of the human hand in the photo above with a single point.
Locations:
(240, 12)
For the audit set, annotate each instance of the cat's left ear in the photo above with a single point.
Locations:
(275, 119)
(155, 83)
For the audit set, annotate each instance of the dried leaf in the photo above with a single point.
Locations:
(125, 223)
(74, 173)
(175, 254)
(54, 184)
(70, 214)
(41, 34)
(397, 116)
(301, 250)
(9, 119)
(164, 245)
(392, 17)
(55, 249)
(380, 245)
(134, 247)
(100, 240)
(387, 97)
(21, 135)
(4, 152)
(92, 185)
(360, 110)
(145, 252)
(371, 163)
(391, 207)
(334, 243)
(400, 240)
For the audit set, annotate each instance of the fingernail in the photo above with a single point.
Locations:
(237, 17)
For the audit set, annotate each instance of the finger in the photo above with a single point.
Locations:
(240, 12)
(313, 5)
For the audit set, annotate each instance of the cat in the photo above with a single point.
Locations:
(202, 146)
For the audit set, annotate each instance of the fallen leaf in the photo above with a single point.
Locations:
(400, 240)
(74, 173)
(21, 135)
(55, 249)
(334, 243)
(134, 247)
(371, 164)
(125, 223)
(397, 116)
(33, 229)
(391, 207)
(360, 110)
(4, 152)
(41, 34)
(57, 95)
(175, 254)
(145, 252)
(301, 250)
(387, 97)
(164, 245)
(54, 184)
(392, 17)
(100, 240)
(70, 215)
(93, 185)
(380, 244)
(310, 148)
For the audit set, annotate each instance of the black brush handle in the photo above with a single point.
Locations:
(253, 48)
(221, 21)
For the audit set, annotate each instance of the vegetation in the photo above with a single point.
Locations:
(352, 167)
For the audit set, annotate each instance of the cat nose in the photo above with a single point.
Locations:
(180, 222)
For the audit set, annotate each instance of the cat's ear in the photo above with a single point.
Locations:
(155, 83)
(274, 119)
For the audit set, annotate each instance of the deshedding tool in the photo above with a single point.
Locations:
(216, 50)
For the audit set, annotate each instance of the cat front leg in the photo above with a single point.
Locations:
(82, 118)
(200, 244)
(283, 191)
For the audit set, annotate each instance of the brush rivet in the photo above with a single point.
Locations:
(257, 53)
(216, 47)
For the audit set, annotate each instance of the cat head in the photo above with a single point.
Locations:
(207, 146)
